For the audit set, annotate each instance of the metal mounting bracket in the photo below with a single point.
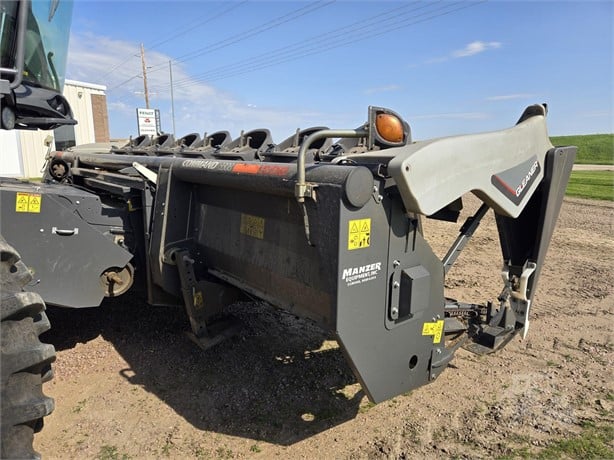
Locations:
(519, 300)
(204, 299)
(146, 172)
(302, 189)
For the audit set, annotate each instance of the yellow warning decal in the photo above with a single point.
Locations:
(359, 234)
(435, 329)
(252, 226)
(28, 202)
(199, 301)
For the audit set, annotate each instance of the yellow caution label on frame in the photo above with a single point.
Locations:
(28, 202)
(359, 234)
(199, 301)
(252, 226)
(435, 329)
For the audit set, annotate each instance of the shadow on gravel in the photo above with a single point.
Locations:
(274, 381)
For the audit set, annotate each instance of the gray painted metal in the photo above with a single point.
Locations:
(525, 240)
(204, 228)
(432, 174)
(302, 189)
(250, 234)
(389, 356)
(466, 232)
(69, 239)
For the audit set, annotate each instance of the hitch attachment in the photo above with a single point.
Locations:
(513, 313)
(441, 357)
(519, 300)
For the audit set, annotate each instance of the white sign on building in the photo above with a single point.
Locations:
(148, 121)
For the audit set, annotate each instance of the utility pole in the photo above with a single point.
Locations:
(170, 69)
(144, 77)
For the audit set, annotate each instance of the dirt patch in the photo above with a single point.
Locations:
(129, 384)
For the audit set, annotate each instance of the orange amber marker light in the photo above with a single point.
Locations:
(389, 127)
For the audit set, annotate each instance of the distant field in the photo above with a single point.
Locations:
(597, 185)
(596, 149)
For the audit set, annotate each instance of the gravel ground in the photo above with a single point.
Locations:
(129, 384)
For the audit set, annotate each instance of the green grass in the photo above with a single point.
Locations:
(596, 185)
(108, 452)
(596, 149)
(593, 443)
(79, 407)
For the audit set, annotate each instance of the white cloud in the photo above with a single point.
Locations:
(509, 97)
(438, 60)
(476, 47)
(382, 89)
(117, 65)
(470, 49)
(453, 116)
(120, 107)
(199, 106)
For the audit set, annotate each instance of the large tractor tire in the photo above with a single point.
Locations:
(25, 361)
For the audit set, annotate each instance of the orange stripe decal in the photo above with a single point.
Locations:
(246, 168)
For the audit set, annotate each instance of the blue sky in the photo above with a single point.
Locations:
(447, 67)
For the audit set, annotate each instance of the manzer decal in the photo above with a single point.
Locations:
(515, 182)
(361, 274)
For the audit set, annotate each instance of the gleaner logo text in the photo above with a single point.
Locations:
(515, 182)
(527, 178)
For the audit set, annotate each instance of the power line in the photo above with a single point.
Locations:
(354, 28)
(310, 8)
(386, 22)
(172, 37)
(123, 83)
(293, 15)
(199, 24)
(276, 22)
(115, 67)
(298, 51)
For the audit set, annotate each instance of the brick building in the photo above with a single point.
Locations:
(22, 153)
